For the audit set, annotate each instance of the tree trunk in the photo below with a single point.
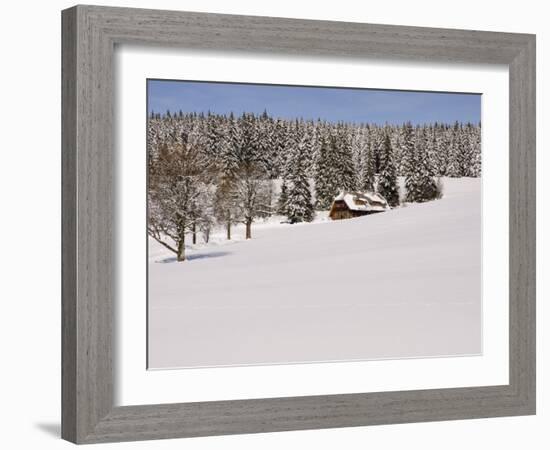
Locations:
(228, 231)
(194, 233)
(206, 236)
(248, 228)
(181, 249)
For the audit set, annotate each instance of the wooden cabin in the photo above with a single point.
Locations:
(348, 205)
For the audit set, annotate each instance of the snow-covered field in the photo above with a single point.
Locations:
(404, 283)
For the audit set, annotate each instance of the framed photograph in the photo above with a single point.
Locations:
(278, 224)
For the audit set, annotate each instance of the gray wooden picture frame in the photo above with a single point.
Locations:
(90, 34)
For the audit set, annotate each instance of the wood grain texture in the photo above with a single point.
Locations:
(523, 223)
(68, 225)
(89, 36)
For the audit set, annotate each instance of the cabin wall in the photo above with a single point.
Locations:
(340, 210)
(339, 214)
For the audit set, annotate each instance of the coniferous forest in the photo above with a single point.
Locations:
(208, 170)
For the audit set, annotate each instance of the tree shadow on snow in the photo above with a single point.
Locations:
(193, 257)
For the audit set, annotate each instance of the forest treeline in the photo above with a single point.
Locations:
(209, 169)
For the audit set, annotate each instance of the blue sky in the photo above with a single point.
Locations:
(332, 104)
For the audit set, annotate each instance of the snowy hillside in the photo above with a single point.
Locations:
(404, 283)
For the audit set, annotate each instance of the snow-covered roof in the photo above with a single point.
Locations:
(363, 201)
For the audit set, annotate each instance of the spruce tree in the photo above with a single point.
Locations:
(299, 206)
(326, 173)
(368, 177)
(283, 199)
(262, 139)
(431, 148)
(344, 162)
(454, 155)
(465, 151)
(212, 139)
(289, 146)
(387, 180)
(419, 182)
(475, 139)
(228, 173)
(357, 150)
(279, 145)
(440, 150)
(407, 148)
(316, 134)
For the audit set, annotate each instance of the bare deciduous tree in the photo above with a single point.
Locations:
(178, 187)
(254, 197)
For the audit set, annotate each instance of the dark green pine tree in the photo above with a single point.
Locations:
(299, 206)
(440, 150)
(228, 172)
(431, 148)
(454, 154)
(387, 180)
(407, 148)
(212, 137)
(344, 163)
(279, 146)
(248, 151)
(262, 141)
(289, 145)
(419, 182)
(465, 151)
(475, 138)
(326, 172)
(283, 199)
(368, 175)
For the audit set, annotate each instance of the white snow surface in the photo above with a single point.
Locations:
(402, 284)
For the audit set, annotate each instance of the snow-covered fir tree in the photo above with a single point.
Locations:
(387, 180)
(347, 179)
(419, 181)
(299, 202)
(290, 141)
(475, 143)
(368, 175)
(226, 201)
(407, 148)
(253, 184)
(440, 149)
(327, 183)
(454, 164)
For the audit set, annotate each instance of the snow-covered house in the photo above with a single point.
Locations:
(354, 204)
